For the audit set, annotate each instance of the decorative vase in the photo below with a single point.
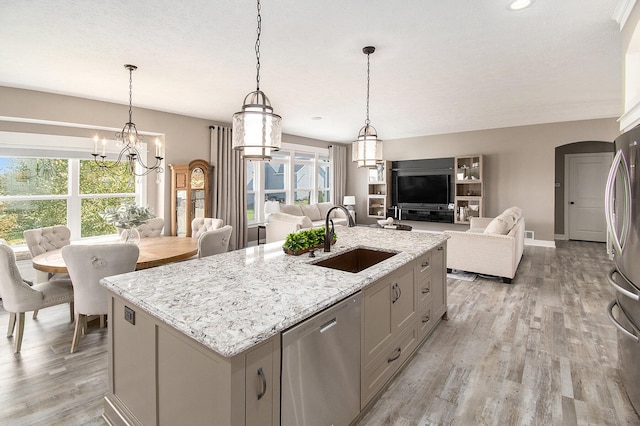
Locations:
(130, 236)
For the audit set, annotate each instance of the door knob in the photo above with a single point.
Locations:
(571, 202)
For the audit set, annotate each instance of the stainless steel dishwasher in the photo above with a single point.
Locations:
(321, 367)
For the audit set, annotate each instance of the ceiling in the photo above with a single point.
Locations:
(439, 66)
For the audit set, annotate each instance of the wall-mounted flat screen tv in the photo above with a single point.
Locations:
(423, 189)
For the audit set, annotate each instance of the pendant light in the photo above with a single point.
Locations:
(367, 149)
(257, 131)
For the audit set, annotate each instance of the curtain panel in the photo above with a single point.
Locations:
(229, 195)
(338, 158)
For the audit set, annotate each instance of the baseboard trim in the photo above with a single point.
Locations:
(539, 243)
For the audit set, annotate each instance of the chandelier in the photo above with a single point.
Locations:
(367, 149)
(257, 131)
(131, 144)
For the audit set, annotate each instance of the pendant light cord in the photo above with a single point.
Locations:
(368, 72)
(258, 49)
(130, 91)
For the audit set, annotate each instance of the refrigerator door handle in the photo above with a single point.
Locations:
(609, 202)
(630, 295)
(617, 324)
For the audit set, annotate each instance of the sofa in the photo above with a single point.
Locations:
(491, 246)
(293, 217)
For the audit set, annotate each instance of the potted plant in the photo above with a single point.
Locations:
(304, 240)
(127, 216)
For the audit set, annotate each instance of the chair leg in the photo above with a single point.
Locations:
(35, 314)
(71, 311)
(12, 324)
(20, 331)
(81, 321)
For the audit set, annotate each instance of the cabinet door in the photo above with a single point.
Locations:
(403, 307)
(262, 384)
(439, 280)
(376, 319)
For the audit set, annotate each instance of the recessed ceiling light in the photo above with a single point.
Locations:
(316, 118)
(519, 4)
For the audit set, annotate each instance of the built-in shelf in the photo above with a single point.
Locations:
(469, 188)
(378, 191)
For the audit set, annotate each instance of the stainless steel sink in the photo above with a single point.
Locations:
(355, 260)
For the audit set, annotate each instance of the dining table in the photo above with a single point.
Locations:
(154, 251)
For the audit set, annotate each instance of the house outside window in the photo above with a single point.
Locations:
(296, 175)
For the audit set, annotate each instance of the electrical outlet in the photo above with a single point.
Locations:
(130, 315)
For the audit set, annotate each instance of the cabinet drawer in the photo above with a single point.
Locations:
(422, 266)
(426, 321)
(424, 291)
(383, 367)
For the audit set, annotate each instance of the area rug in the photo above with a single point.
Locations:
(461, 275)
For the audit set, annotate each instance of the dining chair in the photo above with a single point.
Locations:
(200, 225)
(87, 265)
(18, 297)
(151, 228)
(215, 241)
(42, 240)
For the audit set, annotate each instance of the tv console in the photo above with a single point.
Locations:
(425, 214)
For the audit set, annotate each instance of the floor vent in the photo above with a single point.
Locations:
(529, 235)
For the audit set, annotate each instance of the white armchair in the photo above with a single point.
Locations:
(18, 297)
(200, 225)
(215, 241)
(87, 265)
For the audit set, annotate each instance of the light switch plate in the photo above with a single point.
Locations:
(130, 315)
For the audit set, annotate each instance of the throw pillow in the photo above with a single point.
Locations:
(303, 221)
(291, 209)
(515, 212)
(311, 211)
(324, 208)
(497, 226)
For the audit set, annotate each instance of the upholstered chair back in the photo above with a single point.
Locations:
(88, 264)
(151, 228)
(214, 242)
(17, 296)
(42, 240)
(200, 225)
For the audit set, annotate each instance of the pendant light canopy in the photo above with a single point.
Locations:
(367, 149)
(257, 131)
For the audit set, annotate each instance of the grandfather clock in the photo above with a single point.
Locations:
(190, 195)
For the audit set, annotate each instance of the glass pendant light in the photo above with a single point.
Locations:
(257, 131)
(367, 149)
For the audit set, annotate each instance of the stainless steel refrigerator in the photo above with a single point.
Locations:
(622, 211)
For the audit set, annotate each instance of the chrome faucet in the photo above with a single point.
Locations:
(329, 233)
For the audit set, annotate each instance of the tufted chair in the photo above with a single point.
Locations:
(200, 225)
(87, 265)
(151, 228)
(215, 241)
(18, 297)
(42, 240)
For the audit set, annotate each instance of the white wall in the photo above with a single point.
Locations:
(518, 164)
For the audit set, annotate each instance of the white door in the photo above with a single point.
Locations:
(587, 175)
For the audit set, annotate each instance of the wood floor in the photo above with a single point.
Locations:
(540, 351)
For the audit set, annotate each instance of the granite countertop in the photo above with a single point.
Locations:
(232, 301)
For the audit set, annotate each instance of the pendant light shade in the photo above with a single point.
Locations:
(367, 148)
(257, 131)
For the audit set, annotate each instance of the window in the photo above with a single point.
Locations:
(46, 187)
(297, 175)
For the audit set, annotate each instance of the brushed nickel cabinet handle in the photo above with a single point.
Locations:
(425, 318)
(425, 264)
(263, 384)
(425, 290)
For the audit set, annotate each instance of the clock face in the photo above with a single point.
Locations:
(197, 178)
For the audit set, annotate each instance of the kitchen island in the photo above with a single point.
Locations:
(185, 337)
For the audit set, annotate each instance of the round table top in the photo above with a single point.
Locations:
(154, 251)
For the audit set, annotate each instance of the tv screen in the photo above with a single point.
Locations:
(423, 189)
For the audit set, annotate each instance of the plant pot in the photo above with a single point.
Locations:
(130, 236)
